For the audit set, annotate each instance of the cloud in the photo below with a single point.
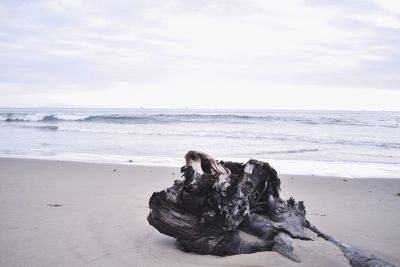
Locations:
(85, 47)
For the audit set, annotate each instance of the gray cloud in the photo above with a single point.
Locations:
(51, 44)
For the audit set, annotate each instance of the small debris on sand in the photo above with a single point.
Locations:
(54, 205)
(345, 180)
(130, 160)
(318, 214)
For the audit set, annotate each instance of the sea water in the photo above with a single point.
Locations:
(341, 143)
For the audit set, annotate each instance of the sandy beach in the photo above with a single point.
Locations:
(58, 213)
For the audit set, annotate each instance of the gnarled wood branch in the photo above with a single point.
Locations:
(217, 204)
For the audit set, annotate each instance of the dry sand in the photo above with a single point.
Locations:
(55, 213)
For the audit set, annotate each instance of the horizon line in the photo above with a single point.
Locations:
(202, 108)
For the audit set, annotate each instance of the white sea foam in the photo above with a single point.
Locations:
(296, 167)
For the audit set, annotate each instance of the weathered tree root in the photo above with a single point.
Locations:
(219, 205)
(356, 257)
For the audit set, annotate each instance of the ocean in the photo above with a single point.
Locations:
(339, 143)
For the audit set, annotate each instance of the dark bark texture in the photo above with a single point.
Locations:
(218, 205)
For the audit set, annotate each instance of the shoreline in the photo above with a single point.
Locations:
(360, 170)
(73, 213)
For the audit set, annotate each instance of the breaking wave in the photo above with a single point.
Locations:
(162, 118)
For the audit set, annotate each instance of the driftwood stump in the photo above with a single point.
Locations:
(227, 208)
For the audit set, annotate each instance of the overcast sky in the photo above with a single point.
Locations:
(314, 54)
